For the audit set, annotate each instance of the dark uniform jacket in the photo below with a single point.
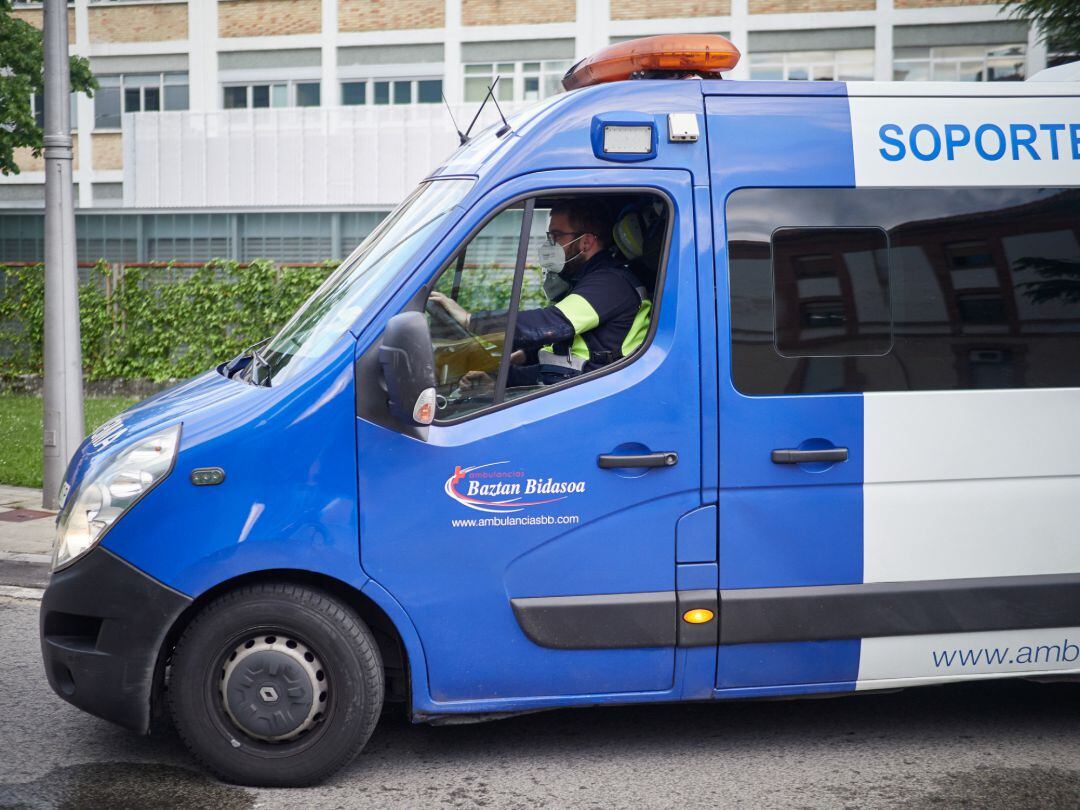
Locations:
(603, 317)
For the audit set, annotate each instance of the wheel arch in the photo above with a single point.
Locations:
(392, 647)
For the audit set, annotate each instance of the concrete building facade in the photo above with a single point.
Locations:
(217, 121)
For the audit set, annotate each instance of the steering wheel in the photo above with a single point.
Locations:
(444, 318)
(463, 396)
(457, 398)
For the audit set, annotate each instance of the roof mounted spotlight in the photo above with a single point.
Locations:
(668, 56)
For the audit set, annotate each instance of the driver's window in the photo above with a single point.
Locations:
(586, 267)
(466, 314)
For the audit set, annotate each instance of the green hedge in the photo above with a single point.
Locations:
(157, 323)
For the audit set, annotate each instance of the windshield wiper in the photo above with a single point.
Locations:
(256, 360)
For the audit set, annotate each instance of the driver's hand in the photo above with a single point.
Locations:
(476, 382)
(452, 307)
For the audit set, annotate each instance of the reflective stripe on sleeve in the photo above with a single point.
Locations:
(579, 312)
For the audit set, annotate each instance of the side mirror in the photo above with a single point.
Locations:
(408, 367)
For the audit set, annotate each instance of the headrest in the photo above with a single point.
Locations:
(629, 234)
(636, 229)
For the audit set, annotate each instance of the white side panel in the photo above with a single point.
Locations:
(915, 660)
(971, 484)
(934, 435)
(990, 141)
(977, 528)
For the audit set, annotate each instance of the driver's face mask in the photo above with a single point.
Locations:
(553, 262)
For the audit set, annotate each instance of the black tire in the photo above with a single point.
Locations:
(343, 649)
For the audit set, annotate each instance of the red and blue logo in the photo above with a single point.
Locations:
(488, 490)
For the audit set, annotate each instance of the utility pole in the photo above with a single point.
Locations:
(63, 350)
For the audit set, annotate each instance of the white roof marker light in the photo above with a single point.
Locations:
(682, 127)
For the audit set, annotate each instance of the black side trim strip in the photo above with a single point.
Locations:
(599, 621)
(756, 615)
(812, 613)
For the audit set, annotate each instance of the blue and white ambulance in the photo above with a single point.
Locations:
(836, 450)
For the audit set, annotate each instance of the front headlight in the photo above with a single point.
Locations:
(112, 491)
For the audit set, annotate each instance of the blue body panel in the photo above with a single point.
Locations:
(161, 410)
(782, 525)
(794, 668)
(311, 487)
(455, 581)
(695, 539)
(289, 496)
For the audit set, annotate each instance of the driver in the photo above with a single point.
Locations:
(599, 311)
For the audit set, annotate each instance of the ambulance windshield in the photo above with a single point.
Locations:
(340, 300)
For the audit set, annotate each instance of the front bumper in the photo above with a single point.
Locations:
(102, 626)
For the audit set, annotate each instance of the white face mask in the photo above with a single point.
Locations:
(553, 262)
(555, 286)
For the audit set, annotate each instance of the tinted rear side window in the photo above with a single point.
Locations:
(850, 290)
(831, 290)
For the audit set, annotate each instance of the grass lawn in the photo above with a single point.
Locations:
(20, 433)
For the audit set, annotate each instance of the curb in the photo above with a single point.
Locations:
(24, 571)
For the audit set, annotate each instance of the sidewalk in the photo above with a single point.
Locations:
(25, 528)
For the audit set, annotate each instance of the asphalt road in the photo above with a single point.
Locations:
(988, 745)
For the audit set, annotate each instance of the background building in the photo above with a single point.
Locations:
(287, 128)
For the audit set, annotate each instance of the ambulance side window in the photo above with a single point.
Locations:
(906, 289)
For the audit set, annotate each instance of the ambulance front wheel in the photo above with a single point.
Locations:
(276, 685)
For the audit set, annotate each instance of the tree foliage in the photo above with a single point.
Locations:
(1059, 280)
(22, 66)
(1059, 20)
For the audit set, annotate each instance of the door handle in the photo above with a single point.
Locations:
(795, 456)
(664, 459)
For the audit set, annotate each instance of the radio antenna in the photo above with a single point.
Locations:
(489, 95)
(461, 135)
(506, 124)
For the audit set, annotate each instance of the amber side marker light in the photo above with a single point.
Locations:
(698, 616)
(667, 56)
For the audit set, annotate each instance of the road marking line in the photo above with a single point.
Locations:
(21, 593)
(20, 556)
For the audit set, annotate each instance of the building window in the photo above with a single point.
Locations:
(1058, 54)
(285, 237)
(391, 91)
(963, 63)
(429, 91)
(175, 89)
(307, 94)
(518, 81)
(37, 109)
(137, 92)
(353, 93)
(853, 65)
(271, 94)
(143, 95)
(831, 291)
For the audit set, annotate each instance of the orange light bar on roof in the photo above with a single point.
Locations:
(677, 54)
